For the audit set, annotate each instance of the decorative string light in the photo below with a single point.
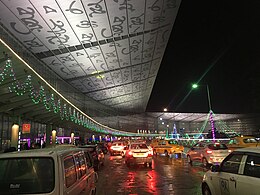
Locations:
(212, 125)
(39, 94)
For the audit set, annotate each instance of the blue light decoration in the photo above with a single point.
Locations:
(175, 134)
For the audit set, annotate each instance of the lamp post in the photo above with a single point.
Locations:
(208, 98)
(195, 86)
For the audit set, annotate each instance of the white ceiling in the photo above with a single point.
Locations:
(110, 50)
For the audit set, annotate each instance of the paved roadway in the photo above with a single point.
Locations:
(168, 176)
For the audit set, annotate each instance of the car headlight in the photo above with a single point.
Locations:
(204, 177)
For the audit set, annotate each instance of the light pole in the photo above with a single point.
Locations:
(208, 98)
(195, 86)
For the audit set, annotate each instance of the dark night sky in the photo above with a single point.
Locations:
(223, 37)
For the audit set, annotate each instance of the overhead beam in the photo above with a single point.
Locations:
(6, 97)
(26, 108)
(36, 112)
(10, 106)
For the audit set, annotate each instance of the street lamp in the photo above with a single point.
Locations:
(195, 86)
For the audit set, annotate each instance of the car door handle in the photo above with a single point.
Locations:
(233, 180)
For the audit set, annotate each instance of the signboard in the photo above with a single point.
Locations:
(26, 128)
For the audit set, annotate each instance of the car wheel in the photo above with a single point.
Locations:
(122, 154)
(205, 162)
(205, 190)
(189, 159)
(150, 165)
(166, 153)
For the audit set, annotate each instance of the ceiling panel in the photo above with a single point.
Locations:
(110, 50)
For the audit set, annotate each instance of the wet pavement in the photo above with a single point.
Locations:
(168, 176)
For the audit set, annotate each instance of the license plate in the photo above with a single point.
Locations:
(139, 155)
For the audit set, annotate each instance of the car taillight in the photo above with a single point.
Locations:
(229, 151)
(150, 153)
(209, 151)
(130, 153)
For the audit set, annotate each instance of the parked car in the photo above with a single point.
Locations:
(207, 153)
(103, 147)
(138, 153)
(117, 148)
(154, 142)
(238, 174)
(168, 147)
(52, 171)
(97, 155)
(89, 158)
(242, 141)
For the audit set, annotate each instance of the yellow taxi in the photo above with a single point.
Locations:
(242, 142)
(167, 147)
(154, 142)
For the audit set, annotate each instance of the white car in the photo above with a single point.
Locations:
(138, 153)
(52, 171)
(117, 148)
(238, 174)
(208, 153)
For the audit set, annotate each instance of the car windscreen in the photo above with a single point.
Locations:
(117, 144)
(217, 146)
(250, 140)
(173, 142)
(27, 175)
(90, 149)
(139, 146)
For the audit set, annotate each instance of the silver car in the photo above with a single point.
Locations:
(208, 153)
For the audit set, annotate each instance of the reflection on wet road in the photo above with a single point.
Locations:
(168, 176)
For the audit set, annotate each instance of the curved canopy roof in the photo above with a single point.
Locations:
(109, 50)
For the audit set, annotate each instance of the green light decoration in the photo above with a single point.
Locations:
(58, 106)
(222, 126)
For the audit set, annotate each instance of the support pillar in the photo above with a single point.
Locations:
(48, 134)
(53, 137)
(14, 136)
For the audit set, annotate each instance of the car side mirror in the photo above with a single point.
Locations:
(215, 168)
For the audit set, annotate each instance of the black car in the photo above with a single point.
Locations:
(97, 154)
(103, 147)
